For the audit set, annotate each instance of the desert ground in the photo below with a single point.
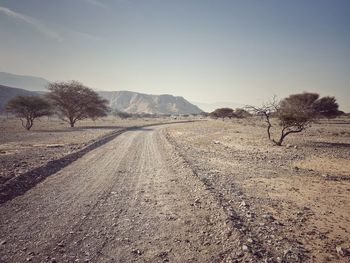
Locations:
(202, 191)
(290, 202)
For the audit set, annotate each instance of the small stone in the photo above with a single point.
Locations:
(239, 254)
(137, 252)
(243, 204)
(163, 254)
(60, 244)
(244, 248)
(268, 216)
(250, 240)
(339, 250)
(2, 242)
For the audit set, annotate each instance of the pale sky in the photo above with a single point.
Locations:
(205, 50)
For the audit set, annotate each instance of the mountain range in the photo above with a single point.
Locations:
(134, 102)
(12, 85)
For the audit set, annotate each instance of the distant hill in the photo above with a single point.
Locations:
(7, 93)
(209, 107)
(30, 83)
(126, 101)
(133, 102)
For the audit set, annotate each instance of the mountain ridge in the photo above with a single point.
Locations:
(135, 102)
(122, 100)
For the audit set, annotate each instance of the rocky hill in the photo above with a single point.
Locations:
(7, 93)
(133, 102)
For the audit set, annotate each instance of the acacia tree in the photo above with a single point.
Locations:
(295, 113)
(327, 107)
(28, 108)
(74, 101)
(241, 113)
(222, 113)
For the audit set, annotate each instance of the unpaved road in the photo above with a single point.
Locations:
(130, 200)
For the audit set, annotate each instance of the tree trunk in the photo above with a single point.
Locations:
(279, 143)
(71, 122)
(29, 124)
(284, 135)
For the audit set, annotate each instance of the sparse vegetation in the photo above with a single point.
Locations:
(73, 101)
(241, 113)
(121, 114)
(229, 113)
(296, 113)
(279, 194)
(222, 113)
(28, 108)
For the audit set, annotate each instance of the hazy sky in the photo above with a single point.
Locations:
(205, 50)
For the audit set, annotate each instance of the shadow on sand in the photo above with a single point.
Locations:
(330, 145)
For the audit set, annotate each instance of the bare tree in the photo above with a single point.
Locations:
(74, 101)
(295, 113)
(266, 111)
(28, 109)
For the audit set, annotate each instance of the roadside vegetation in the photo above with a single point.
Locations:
(70, 101)
(74, 102)
(294, 114)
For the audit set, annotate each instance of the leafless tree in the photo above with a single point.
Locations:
(28, 108)
(74, 101)
(266, 111)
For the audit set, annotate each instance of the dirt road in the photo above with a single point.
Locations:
(130, 200)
